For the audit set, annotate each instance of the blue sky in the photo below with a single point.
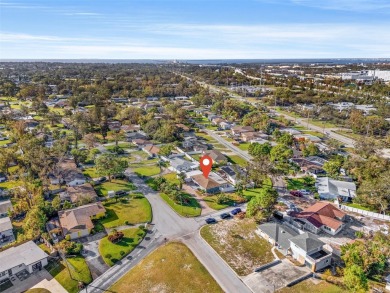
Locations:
(194, 29)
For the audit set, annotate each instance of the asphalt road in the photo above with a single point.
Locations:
(168, 225)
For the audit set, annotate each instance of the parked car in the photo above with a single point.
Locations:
(225, 216)
(235, 211)
(101, 180)
(296, 193)
(211, 221)
(304, 192)
(120, 192)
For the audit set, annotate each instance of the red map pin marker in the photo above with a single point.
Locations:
(205, 164)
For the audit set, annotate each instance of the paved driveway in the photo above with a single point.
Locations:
(275, 277)
(93, 258)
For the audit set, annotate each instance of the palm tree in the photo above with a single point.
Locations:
(181, 177)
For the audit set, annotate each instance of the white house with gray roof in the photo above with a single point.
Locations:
(278, 235)
(27, 256)
(329, 188)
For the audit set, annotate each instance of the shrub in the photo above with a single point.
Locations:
(359, 234)
(70, 247)
(142, 227)
(122, 253)
(127, 223)
(116, 237)
(108, 256)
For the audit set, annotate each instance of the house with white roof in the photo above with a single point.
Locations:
(329, 188)
(179, 165)
(27, 256)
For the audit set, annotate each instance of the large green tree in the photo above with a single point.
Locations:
(109, 164)
(263, 204)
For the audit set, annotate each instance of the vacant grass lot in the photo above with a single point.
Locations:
(308, 286)
(170, 268)
(78, 268)
(133, 236)
(191, 209)
(238, 244)
(115, 185)
(237, 160)
(147, 170)
(133, 211)
(172, 178)
(299, 183)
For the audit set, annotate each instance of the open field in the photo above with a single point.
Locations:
(115, 185)
(147, 170)
(238, 244)
(237, 160)
(170, 268)
(113, 252)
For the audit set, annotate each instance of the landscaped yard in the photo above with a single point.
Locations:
(113, 252)
(133, 211)
(308, 286)
(91, 172)
(170, 268)
(4, 142)
(237, 160)
(238, 244)
(211, 201)
(78, 268)
(191, 209)
(115, 185)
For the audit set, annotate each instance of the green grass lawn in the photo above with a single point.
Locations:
(78, 268)
(91, 172)
(10, 184)
(4, 142)
(359, 206)
(38, 290)
(308, 286)
(134, 211)
(244, 146)
(44, 248)
(299, 183)
(133, 236)
(115, 185)
(172, 178)
(238, 244)
(192, 209)
(170, 268)
(211, 201)
(234, 159)
(147, 170)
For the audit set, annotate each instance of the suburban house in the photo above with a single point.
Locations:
(224, 125)
(238, 130)
(278, 235)
(306, 137)
(212, 184)
(310, 165)
(231, 173)
(307, 249)
(251, 135)
(179, 165)
(329, 188)
(183, 127)
(130, 136)
(5, 206)
(68, 174)
(322, 216)
(151, 150)
(83, 193)
(77, 222)
(6, 231)
(216, 156)
(130, 128)
(291, 131)
(140, 143)
(114, 125)
(27, 256)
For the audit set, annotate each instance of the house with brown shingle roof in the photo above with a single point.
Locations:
(212, 184)
(151, 150)
(322, 216)
(216, 156)
(79, 194)
(77, 222)
(238, 130)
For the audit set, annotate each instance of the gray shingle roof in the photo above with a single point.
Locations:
(307, 241)
(281, 234)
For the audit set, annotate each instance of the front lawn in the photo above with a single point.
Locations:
(244, 146)
(238, 244)
(191, 209)
(147, 171)
(308, 286)
(172, 178)
(234, 159)
(170, 268)
(133, 211)
(113, 252)
(78, 268)
(211, 201)
(10, 184)
(115, 185)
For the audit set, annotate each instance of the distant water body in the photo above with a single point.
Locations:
(211, 61)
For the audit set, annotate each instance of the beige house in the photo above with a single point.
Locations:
(77, 222)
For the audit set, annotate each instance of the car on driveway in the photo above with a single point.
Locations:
(304, 192)
(296, 193)
(225, 216)
(211, 221)
(236, 211)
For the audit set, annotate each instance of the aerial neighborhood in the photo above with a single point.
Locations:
(102, 186)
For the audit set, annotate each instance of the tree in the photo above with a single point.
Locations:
(80, 156)
(355, 279)
(35, 222)
(311, 150)
(90, 140)
(109, 164)
(166, 150)
(262, 205)
(182, 177)
(286, 139)
(259, 150)
(259, 169)
(56, 203)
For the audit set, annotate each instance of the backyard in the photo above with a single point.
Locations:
(170, 268)
(300, 183)
(126, 210)
(113, 252)
(238, 244)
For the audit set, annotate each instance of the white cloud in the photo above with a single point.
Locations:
(347, 5)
